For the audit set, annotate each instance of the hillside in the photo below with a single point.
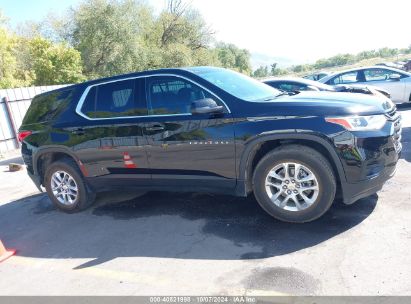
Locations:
(365, 62)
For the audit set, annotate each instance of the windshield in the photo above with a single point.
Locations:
(237, 84)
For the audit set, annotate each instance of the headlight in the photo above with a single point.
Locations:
(359, 123)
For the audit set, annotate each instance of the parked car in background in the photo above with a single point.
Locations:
(407, 66)
(317, 76)
(213, 130)
(396, 82)
(293, 84)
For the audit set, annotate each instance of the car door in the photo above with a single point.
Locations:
(187, 149)
(380, 77)
(110, 141)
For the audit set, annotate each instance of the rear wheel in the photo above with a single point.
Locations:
(66, 186)
(294, 184)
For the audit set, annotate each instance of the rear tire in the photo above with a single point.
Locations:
(297, 198)
(66, 187)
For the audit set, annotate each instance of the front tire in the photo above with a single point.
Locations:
(294, 183)
(66, 187)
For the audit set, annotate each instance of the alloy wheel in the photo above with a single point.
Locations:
(64, 188)
(292, 186)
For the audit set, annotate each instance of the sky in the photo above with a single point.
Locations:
(295, 30)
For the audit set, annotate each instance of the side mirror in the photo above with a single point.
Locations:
(395, 77)
(205, 106)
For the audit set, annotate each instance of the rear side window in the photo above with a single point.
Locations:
(116, 99)
(48, 106)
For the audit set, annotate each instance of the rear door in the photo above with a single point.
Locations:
(110, 142)
(184, 149)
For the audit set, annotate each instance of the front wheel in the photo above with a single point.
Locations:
(294, 183)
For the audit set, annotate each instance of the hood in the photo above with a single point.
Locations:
(322, 103)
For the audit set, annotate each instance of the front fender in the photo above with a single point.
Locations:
(252, 145)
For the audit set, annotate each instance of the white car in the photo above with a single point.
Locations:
(396, 82)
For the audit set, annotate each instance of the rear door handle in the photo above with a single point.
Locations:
(155, 128)
(78, 131)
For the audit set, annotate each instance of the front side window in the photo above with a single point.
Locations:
(169, 95)
(378, 74)
(116, 99)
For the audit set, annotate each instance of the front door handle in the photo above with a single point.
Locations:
(78, 131)
(155, 128)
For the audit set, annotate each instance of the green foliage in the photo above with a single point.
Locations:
(10, 74)
(261, 72)
(36, 61)
(272, 70)
(301, 68)
(341, 60)
(101, 38)
(110, 35)
(54, 63)
(337, 60)
(346, 59)
(232, 57)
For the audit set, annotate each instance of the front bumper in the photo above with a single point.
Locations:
(354, 192)
(369, 159)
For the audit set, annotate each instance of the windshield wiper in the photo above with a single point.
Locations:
(281, 94)
(271, 97)
(285, 93)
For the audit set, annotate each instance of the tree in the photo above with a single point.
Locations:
(179, 23)
(273, 68)
(110, 35)
(182, 35)
(387, 52)
(261, 72)
(54, 63)
(301, 68)
(11, 75)
(230, 56)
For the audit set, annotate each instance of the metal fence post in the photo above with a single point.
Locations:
(11, 121)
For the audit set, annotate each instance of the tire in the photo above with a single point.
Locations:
(301, 205)
(84, 197)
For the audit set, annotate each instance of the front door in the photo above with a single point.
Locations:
(380, 77)
(184, 149)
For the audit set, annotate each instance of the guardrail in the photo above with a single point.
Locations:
(13, 106)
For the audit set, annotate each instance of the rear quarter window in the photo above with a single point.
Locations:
(48, 106)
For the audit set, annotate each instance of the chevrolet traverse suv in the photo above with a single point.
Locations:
(214, 130)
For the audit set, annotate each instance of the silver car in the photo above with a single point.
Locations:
(396, 82)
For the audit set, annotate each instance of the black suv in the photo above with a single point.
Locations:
(214, 130)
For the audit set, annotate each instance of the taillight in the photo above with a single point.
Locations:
(23, 134)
